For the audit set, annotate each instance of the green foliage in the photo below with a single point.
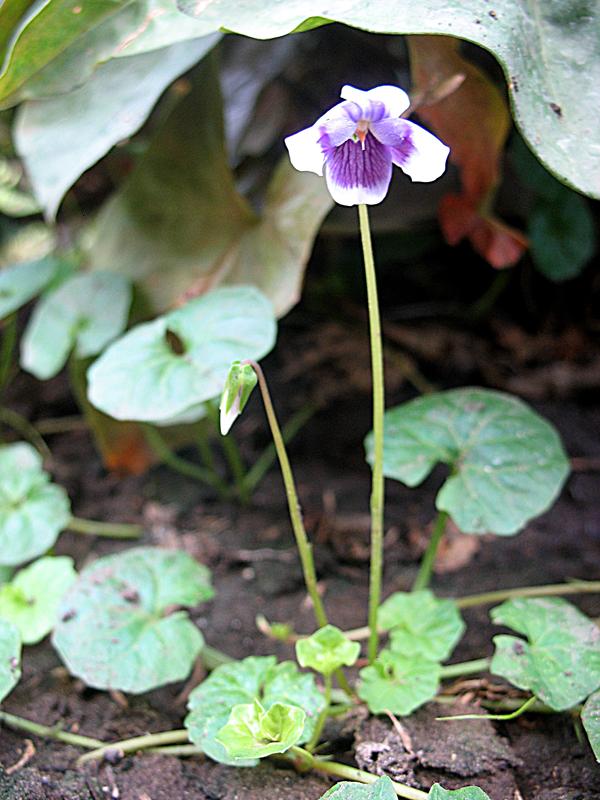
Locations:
(21, 282)
(253, 732)
(178, 221)
(13, 201)
(438, 792)
(507, 464)
(75, 316)
(30, 601)
(118, 628)
(10, 657)
(161, 369)
(421, 624)
(243, 682)
(327, 650)
(33, 511)
(382, 789)
(590, 716)
(398, 683)
(561, 661)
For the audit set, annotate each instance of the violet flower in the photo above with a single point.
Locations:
(356, 142)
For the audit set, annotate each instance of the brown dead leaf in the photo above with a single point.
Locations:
(456, 550)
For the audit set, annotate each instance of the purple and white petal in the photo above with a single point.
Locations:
(308, 147)
(418, 153)
(392, 98)
(357, 175)
(306, 154)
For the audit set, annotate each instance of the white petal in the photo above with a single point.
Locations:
(305, 151)
(428, 159)
(394, 99)
(227, 418)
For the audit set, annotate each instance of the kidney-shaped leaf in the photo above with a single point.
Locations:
(119, 627)
(507, 464)
(590, 716)
(161, 369)
(10, 657)
(30, 601)
(19, 283)
(253, 732)
(381, 789)
(398, 683)
(33, 511)
(420, 623)
(438, 792)
(327, 650)
(561, 661)
(254, 678)
(86, 312)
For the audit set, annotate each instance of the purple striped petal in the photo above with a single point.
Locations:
(382, 101)
(355, 175)
(417, 152)
(308, 147)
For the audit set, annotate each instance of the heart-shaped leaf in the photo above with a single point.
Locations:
(161, 369)
(327, 650)
(398, 683)
(33, 511)
(438, 792)
(253, 732)
(30, 601)
(254, 678)
(561, 661)
(75, 316)
(381, 789)
(21, 282)
(590, 716)
(507, 464)
(422, 624)
(119, 627)
(10, 657)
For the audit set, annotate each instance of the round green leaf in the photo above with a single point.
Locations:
(398, 683)
(590, 717)
(242, 682)
(327, 650)
(438, 792)
(30, 601)
(382, 789)
(160, 369)
(118, 627)
(253, 732)
(33, 511)
(507, 464)
(21, 282)
(10, 657)
(422, 624)
(561, 661)
(75, 315)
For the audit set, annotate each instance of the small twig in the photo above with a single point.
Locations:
(28, 754)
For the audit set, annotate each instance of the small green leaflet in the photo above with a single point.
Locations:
(421, 624)
(381, 789)
(327, 650)
(253, 732)
(117, 628)
(560, 663)
(398, 683)
(10, 657)
(33, 511)
(144, 376)
(590, 716)
(507, 463)
(242, 682)
(438, 792)
(21, 282)
(30, 601)
(75, 316)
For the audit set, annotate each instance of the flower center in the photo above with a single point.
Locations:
(360, 134)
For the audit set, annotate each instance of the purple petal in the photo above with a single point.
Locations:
(308, 147)
(418, 153)
(377, 103)
(357, 176)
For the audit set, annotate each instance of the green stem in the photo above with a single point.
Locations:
(377, 484)
(212, 658)
(465, 668)
(426, 568)
(314, 739)
(137, 743)
(181, 465)
(203, 441)
(548, 590)
(304, 547)
(47, 732)
(112, 530)
(497, 717)
(232, 456)
(23, 427)
(7, 349)
(507, 704)
(353, 774)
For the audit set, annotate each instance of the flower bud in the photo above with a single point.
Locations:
(240, 382)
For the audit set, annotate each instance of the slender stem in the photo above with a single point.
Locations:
(377, 484)
(203, 441)
(497, 717)
(113, 530)
(465, 668)
(232, 456)
(428, 560)
(212, 658)
(47, 732)
(507, 704)
(314, 739)
(50, 425)
(179, 750)
(353, 774)
(22, 426)
(137, 743)
(7, 349)
(548, 590)
(304, 547)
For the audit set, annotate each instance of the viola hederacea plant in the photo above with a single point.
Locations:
(126, 621)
